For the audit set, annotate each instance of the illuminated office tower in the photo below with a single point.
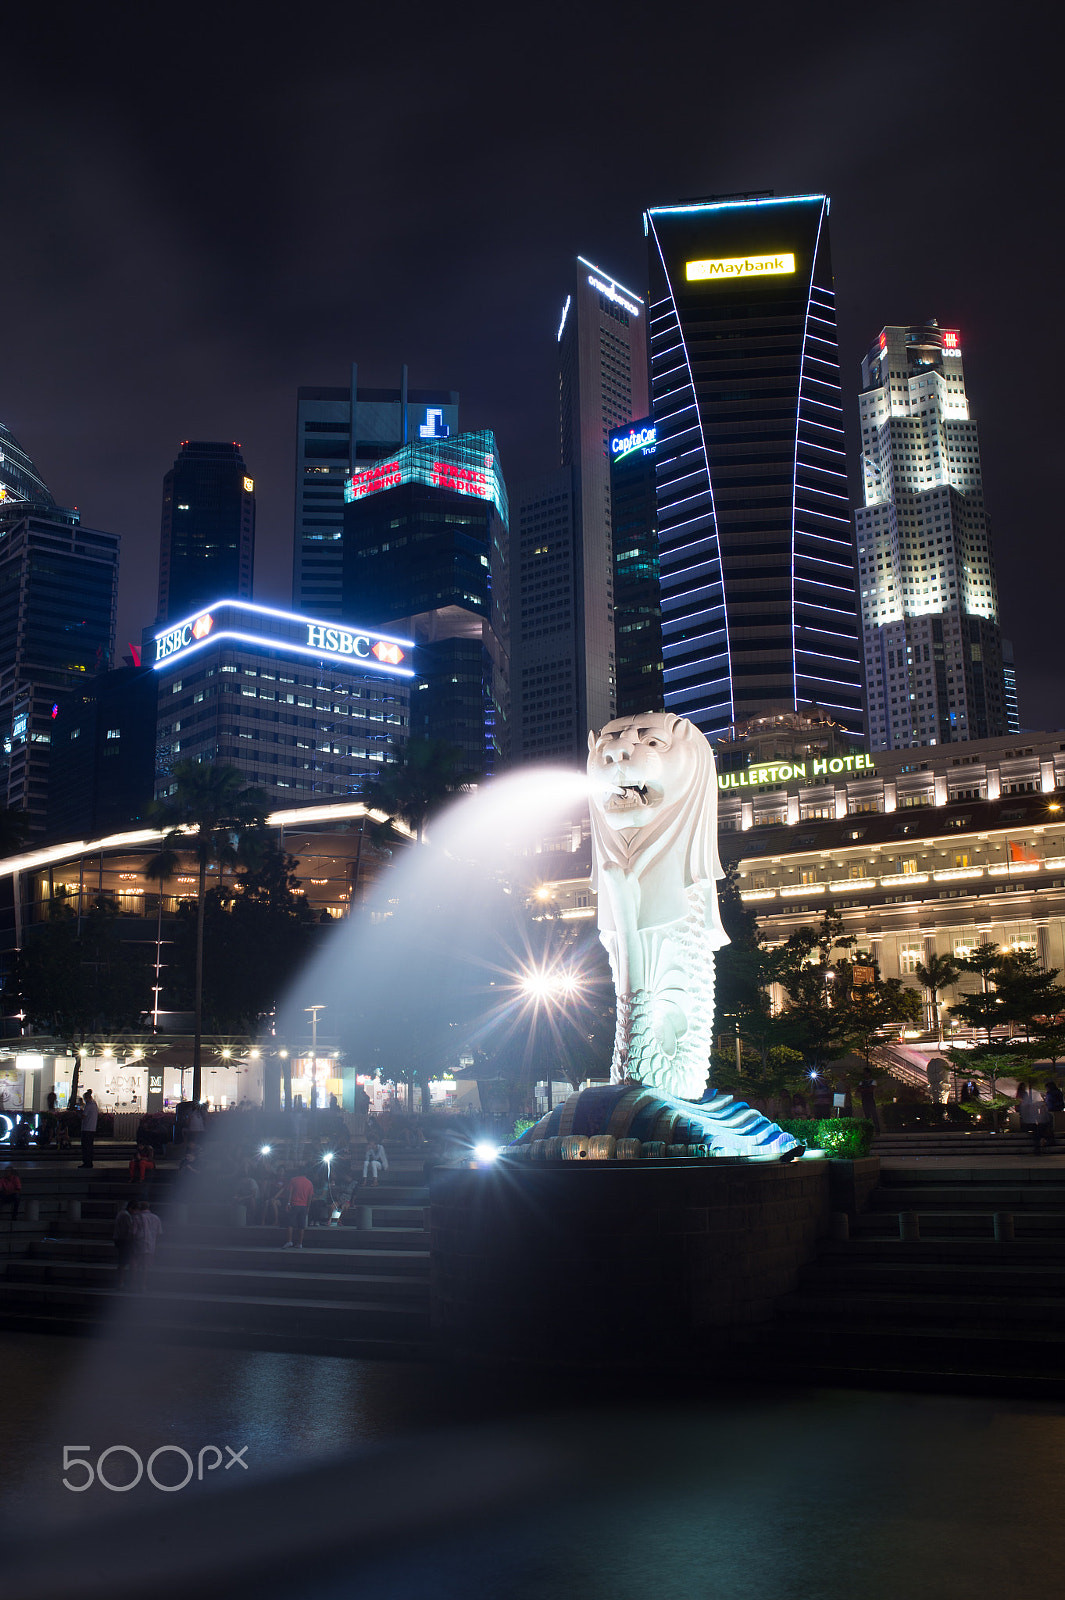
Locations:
(637, 596)
(425, 556)
(754, 540)
(207, 542)
(58, 596)
(328, 449)
(933, 650)
(564, 673)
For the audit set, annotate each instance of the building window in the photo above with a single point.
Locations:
(910, 954)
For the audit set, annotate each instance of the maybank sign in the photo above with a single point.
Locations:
(784, 771)
(740, 267)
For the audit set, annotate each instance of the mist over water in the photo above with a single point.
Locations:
(428, 964)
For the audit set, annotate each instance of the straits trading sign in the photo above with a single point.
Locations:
(787, 771)
(740, 267)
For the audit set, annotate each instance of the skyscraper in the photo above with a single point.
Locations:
(58, 593)
(563, 670)
(329, 447)
(207, 541)
(637, 595)
(757, 575)
(933, 650)
(425, 555)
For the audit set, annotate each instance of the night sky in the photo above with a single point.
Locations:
(205, 207)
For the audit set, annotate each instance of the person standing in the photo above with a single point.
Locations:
(146, 1231)
(300, 1195)
(122, 1235)
(90, 1115)
(10, 1190)
(52, 1101)
(867, 1090)
(1035, 1118)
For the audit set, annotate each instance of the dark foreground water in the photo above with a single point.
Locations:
(385, 1481)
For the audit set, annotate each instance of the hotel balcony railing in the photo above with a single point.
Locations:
(904, 880)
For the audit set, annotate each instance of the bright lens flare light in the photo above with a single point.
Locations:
(264, 1150)
(544, 984)
(485, 1152)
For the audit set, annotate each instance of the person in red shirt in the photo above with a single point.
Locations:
(10, 1189)
(300, 1195)
(141, 1165)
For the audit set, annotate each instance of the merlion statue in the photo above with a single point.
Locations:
(655, 866)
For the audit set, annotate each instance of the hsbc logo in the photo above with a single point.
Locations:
(168, 644)
(339, 642)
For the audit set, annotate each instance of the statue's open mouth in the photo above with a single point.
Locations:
(629, 797)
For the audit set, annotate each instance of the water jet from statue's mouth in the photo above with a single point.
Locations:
(629, 797)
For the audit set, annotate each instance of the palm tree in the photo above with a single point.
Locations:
(940, 973)
(422, 775)
(13, 826)
(160, 867)
(206, 812)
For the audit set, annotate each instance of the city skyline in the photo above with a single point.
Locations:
(207, 330)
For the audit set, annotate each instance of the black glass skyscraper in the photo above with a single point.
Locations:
(757, 574)
(425, 556)
(58, 590)
(207, 542)
(637, 598)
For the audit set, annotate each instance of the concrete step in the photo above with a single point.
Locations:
(1006, 1195)
(979, 1317)
(174, 1314)
(920, 1280)
(410, 1263)
(976, 1223)
(238, 1283)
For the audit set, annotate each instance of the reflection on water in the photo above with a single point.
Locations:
(385, 1480)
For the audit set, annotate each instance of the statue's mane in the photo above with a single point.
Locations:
(677, 850)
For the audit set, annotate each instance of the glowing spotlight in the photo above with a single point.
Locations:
(226, 1054)
(264, 1149)
(253, 1055)
(543, 892)
(485, 1152)
(328, 1156)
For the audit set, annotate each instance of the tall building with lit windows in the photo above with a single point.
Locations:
(58, 598)
(759, 611)
(929, 602)
(340, 431)
(564, 662)
(207, 535)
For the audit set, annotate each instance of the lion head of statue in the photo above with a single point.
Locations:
(653, 798)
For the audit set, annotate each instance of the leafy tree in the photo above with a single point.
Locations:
(207, 812)
(872, 1007)
(71, 984)
(421, 777)
(1028, 994)
(940, 973)
(258, 929)
(814, 1018)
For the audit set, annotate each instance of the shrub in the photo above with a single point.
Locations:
(522, 1125)
(848, 1138)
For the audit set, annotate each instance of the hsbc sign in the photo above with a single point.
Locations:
(339, 642)
(167, 644)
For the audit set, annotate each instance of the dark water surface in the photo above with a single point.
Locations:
(387, 1481)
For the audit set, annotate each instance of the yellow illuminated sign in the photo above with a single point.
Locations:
(740, 267)
(249, 485)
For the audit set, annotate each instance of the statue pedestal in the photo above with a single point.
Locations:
(616, 1261)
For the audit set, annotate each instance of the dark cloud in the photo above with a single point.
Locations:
(206, 208)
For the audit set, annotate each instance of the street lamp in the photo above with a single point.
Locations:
(549, 986)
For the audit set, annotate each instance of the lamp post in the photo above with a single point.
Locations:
(314, 1010)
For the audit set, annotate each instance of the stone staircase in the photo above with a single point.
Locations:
(961, 1142)
(358, 1291)
(928, 1291)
